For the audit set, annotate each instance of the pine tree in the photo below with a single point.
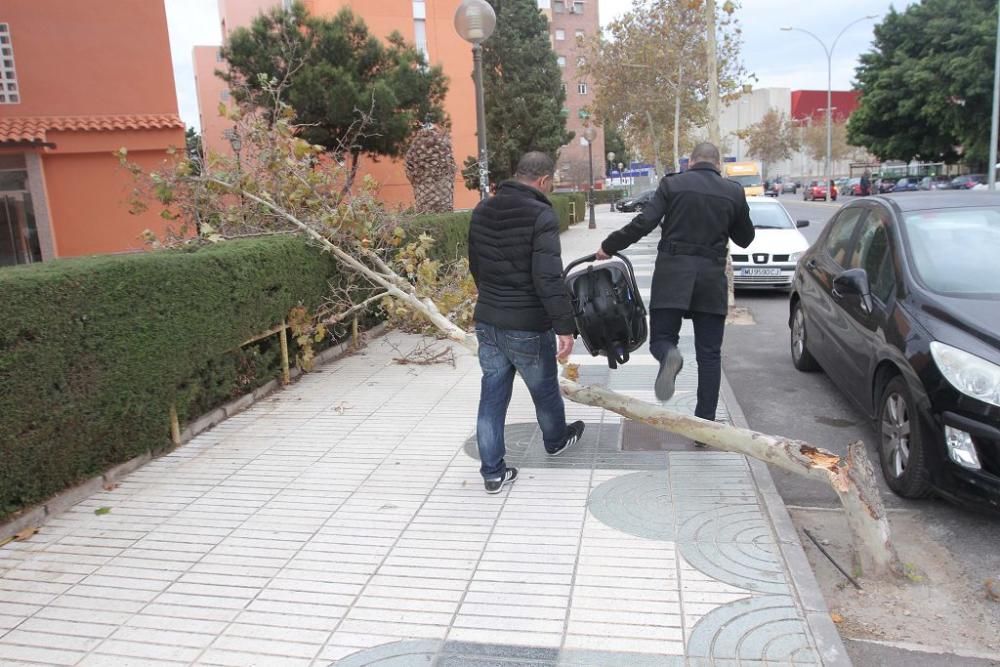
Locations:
(523, 89)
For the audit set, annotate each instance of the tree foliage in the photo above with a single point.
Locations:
(615, 143)
(634, 69)
(814, 141)
(333, 72)
(522, 85)
(926, 85)
(773, 138)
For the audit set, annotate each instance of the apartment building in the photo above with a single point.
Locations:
(572, 21)
(78, 81)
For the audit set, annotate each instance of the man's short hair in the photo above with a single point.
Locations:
(705, 152)
(534, 165)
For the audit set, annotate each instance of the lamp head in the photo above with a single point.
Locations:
(475, 20)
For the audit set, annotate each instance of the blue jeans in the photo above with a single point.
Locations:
(664, 333)
(533, 355)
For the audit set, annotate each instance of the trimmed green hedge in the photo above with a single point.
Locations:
(561, 203)
(608, 196)
(94, 351)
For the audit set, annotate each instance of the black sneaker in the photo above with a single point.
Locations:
(573, 434)
(671, 365)
(494, 485)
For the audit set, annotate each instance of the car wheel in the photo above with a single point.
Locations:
(802, 359)
(901, 447)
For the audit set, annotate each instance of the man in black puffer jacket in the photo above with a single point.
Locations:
(514, 256)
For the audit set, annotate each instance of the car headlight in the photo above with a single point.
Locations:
(971, 375)
(796, 256)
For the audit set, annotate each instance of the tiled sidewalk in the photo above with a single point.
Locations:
(343, 521)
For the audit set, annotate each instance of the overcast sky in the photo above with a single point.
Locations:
(779, 59)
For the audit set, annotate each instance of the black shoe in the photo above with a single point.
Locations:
(671, 365)
(700, 444)
(494, 485)
(573, 434)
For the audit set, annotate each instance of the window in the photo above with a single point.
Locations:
(581, 88)
(559, 6)
(560, 35)
(218, 55)
(8, 77)
(420, 28)
(838, 242)
(874, 256)
(544, 4)
(577, 6)
(224, 95)
(561, 60)
(580, 34)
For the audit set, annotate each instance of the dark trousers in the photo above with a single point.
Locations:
(665, 327)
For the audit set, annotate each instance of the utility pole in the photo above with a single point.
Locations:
(712, 65)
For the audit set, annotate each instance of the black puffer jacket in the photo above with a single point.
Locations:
(514, 256)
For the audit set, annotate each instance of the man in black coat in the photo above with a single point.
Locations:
(699, 211)
(523, 307)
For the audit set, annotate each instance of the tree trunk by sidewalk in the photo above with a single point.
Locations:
(851, 477)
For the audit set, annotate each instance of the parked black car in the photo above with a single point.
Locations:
(899, 301)
(636, 203)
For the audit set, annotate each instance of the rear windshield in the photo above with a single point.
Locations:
(749, 180)
(954, 251)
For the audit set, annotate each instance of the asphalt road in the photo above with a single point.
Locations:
(781, 400)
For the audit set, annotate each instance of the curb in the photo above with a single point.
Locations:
(38, 514)
(830, 645)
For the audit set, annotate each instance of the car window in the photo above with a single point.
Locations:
(874, 255)
(953, 251)
(770, 216)
(838, 242)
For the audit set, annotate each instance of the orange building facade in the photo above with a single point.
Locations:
(78, 81)
(426, 23)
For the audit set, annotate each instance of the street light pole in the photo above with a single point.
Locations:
(590, 134)
(474, 22)
(996, 110)
(829, 90)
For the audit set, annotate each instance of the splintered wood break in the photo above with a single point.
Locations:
(820, 458)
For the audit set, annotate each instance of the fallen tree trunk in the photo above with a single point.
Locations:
(851, 477)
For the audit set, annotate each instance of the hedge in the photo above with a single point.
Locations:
(608, 196)
(94, 351)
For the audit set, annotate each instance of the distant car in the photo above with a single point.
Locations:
(906, 185)
(934, 183)
(817, 190)
(789, 186)
(897, 302)
(967, 182)
(852, 187)
(770, 260)
(773, 190)
(636, 203)
(886, 185)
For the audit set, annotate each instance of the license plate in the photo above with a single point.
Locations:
(760, 272)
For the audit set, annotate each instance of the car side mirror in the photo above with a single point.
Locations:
(854, 282)
(801, 223)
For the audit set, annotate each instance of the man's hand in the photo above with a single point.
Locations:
(565, 347)
(601, 254)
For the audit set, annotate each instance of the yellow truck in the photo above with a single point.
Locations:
(746, 174)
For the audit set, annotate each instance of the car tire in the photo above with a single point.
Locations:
(902, 442)
(802, 358)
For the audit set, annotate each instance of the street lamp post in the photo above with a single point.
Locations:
(611, 168)
(236, 143)
(475, 21)
(996, 110)
(829, 87)
(590, 133)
